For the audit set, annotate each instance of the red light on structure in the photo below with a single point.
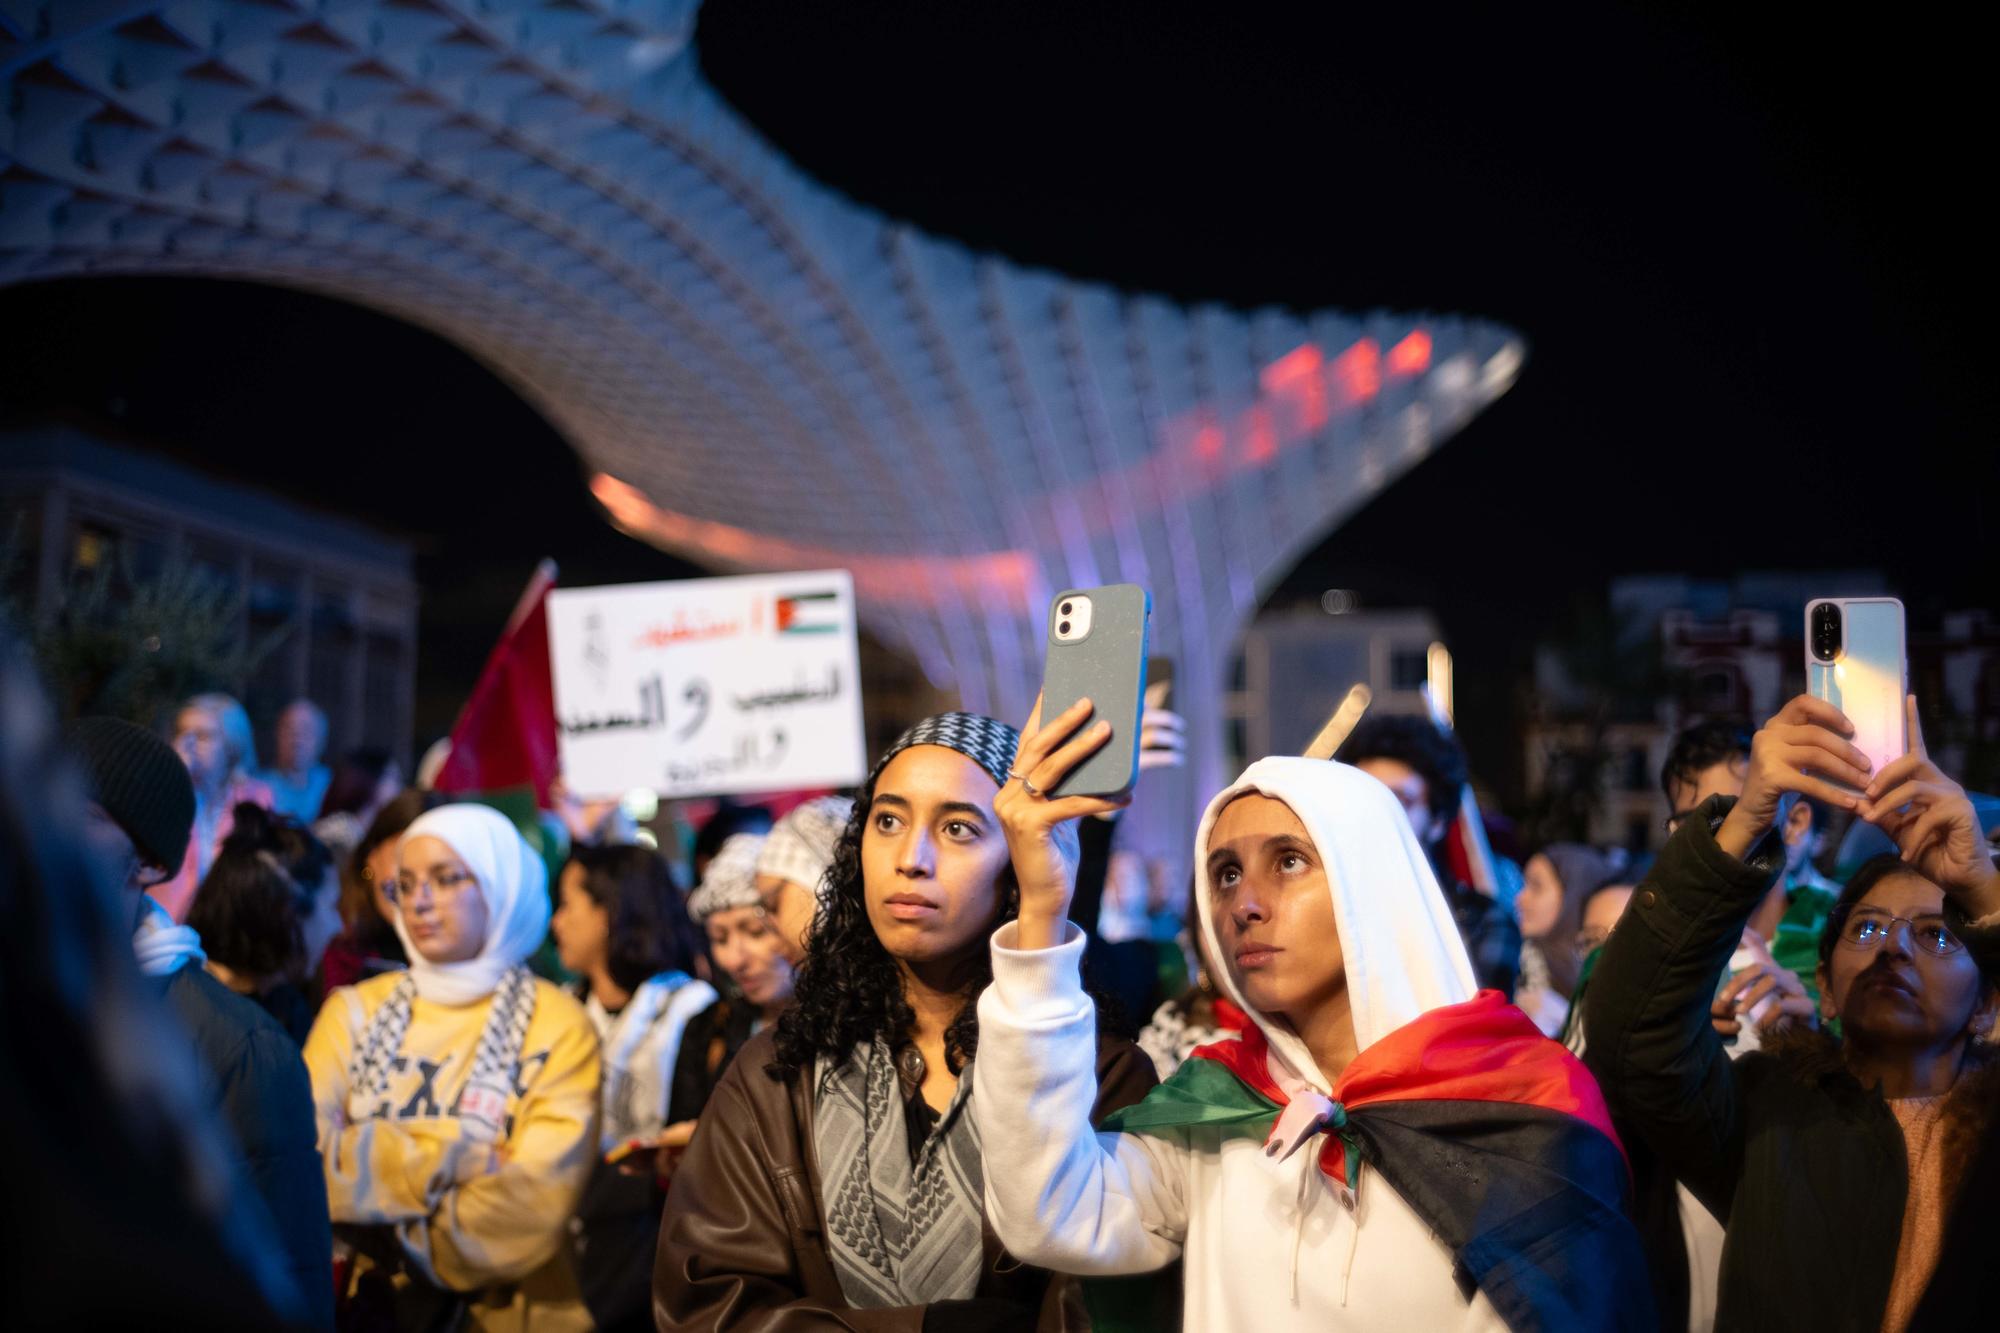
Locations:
(1208, 442)
(1412, 355)
(927, 580)
(1301, 363)
(1296, 379)
(1358, 370)
(1261, 442)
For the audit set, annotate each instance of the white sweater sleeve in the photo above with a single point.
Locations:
(1060, 1196)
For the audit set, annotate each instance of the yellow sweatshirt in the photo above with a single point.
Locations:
(470, 1214)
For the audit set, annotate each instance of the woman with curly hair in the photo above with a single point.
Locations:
(836, 1172)
(617, 926)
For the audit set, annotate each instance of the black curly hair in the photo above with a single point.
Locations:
(849, 989)
(1700, 747)
(1418, 742)
(636, 886)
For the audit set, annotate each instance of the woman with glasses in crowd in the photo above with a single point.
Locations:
(368, 943)
(1859, 1174)
(457, 1099)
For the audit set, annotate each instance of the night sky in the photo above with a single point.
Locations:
(1744, 250)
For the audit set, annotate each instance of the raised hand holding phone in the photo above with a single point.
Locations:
(1030, 813)
(1856, 662)
(1933, 824)
(1808, 749)
(1097, 650)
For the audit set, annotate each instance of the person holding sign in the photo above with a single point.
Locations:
(836, 1176)
(457, 1100)
(1379, 1148)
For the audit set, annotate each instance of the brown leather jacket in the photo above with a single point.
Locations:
(741, 1245)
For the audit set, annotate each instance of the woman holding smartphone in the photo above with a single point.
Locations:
(1858, 1175)
(836, 1173)
(1378, 1148)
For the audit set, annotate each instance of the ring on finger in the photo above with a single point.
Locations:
(1026, 785)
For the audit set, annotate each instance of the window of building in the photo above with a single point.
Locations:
(275, 634)
(332, 657)
(381, 720)
(1409, 668)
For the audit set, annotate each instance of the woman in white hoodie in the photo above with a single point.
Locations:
(1462, 1172)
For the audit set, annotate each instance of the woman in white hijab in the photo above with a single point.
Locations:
(457, 1100)
(1462, 1173)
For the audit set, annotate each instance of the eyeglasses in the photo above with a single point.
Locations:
(1867, 930)
(444, 886)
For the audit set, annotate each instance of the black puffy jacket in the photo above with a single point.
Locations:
(1805, 1167)
(256, 1080)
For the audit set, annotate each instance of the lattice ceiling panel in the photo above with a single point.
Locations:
(763, 375)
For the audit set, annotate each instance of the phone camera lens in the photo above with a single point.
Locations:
(1064, 608)
(1063, 628)
(1826, 633)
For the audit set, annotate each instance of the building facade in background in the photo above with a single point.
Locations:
(332, 604)
(1680, 650)
(1297, 665)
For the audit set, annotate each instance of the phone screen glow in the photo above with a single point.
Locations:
(1866, 681)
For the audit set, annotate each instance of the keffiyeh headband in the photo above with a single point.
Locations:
(989, 743)
(730, 880)
(800, 846)
(986, 742)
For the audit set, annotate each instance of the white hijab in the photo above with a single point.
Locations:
(513, 881)
(1401, 947)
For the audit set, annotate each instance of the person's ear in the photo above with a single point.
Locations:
(1829, 1012)
(1986, 1016)
(1798, 824)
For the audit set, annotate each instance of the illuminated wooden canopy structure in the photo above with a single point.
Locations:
(761, 374)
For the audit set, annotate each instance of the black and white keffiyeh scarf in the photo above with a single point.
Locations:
(900, 1233)
(482, 1104)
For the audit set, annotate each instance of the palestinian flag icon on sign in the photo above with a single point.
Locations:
(809, 613)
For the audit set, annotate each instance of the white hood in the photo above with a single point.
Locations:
(1402, 949)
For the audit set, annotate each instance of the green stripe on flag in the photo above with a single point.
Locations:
(1200, 1092)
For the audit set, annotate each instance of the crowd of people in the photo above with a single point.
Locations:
(871, 1063)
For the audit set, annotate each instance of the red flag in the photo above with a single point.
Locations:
(506, 734)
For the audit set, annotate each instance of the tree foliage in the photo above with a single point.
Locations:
(131, 644)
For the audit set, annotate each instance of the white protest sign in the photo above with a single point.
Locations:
(702, 687)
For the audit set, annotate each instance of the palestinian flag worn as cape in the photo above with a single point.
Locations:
(1497, 1136)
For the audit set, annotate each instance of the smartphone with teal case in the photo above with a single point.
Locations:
(1097, 650)
(1856, 661)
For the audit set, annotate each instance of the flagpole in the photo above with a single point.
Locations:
(1471, 826)
(539, 582)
